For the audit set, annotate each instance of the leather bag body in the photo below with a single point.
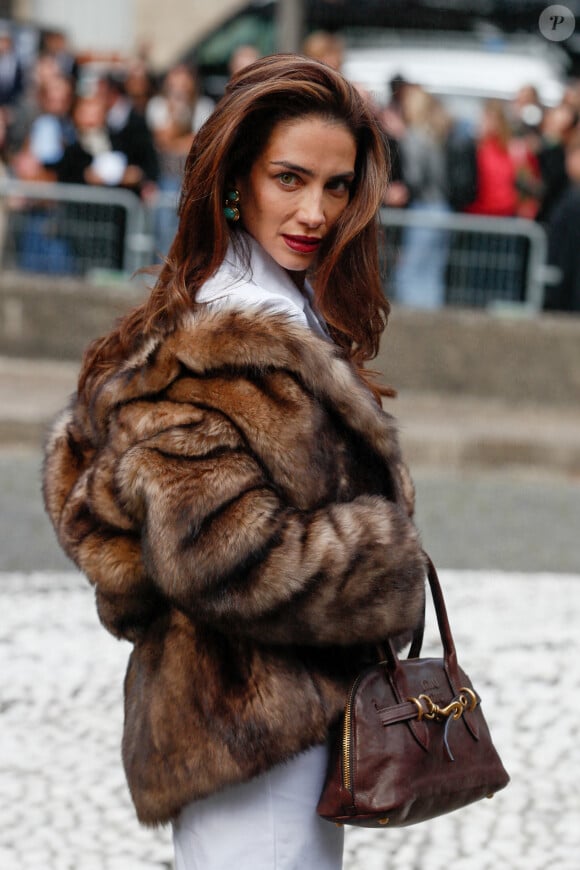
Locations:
(413, 743)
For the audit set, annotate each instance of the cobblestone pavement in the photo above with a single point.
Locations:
(63, 799)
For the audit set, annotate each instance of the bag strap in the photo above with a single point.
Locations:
(403, 710)
(449, 652)
(441, 613)
(417, 641)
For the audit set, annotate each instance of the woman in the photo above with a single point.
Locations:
(90, 159)
(497, 271)
(496, 183)
(227, 480)
(420, 275)
(174, 117)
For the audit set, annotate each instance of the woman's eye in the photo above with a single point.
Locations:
(339, 186)
(288, 178)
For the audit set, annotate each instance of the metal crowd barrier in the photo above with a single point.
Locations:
(489, 261)
(71, 229)
(63, 229)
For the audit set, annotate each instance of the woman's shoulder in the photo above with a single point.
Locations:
(234, 330)
(257, 336)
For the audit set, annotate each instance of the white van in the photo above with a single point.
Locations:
(461, 71)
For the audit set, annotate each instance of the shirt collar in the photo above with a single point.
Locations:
(261, 269)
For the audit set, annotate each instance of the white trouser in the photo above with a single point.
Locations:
(269, 823)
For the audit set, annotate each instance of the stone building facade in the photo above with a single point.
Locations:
(164, 28)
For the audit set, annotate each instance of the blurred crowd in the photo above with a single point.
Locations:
(123, 126)
(520, 159)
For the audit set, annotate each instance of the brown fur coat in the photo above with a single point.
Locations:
(239, 503)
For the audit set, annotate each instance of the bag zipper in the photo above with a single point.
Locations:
(347, 738)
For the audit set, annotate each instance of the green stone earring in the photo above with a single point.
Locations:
(231, 209)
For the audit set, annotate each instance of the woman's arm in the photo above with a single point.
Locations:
(222, 544)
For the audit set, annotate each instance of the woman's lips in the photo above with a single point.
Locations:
(302, 244)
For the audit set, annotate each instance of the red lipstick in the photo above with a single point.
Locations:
(302, 244)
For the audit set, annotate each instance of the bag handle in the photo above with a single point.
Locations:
(449, 652)
(417, 639)
(441, 612)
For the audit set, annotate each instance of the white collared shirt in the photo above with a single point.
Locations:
(260, 283)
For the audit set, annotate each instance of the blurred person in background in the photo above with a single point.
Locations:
(91, 157)
(174, 115)
(3, 172)
(526, 109)
(92, 160)
(130, 135)
(13, 91)
(393, 125)
(325, 47)
(564, 237)
(54, 43)
(420, 271)
(140, 84)
(241, 57)
(177, 112)
(558, 127)
(526, 115)
(394, 184)
(51, 131)
(39, 244)
(11, 72)
(398, 85)
(572, 95)
(496, 171)
(3, 142)
(28, 107)
(497, 196)
(395, 192)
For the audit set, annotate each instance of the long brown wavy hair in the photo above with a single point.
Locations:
(346, 281)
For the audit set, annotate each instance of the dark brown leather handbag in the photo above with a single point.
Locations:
(413, 743)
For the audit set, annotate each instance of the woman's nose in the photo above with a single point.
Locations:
(311, 210)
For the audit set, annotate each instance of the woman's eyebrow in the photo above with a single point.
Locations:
(295, 168)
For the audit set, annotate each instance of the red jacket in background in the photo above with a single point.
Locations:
(496, 180)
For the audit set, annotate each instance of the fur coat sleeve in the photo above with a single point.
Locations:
(239, 472)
